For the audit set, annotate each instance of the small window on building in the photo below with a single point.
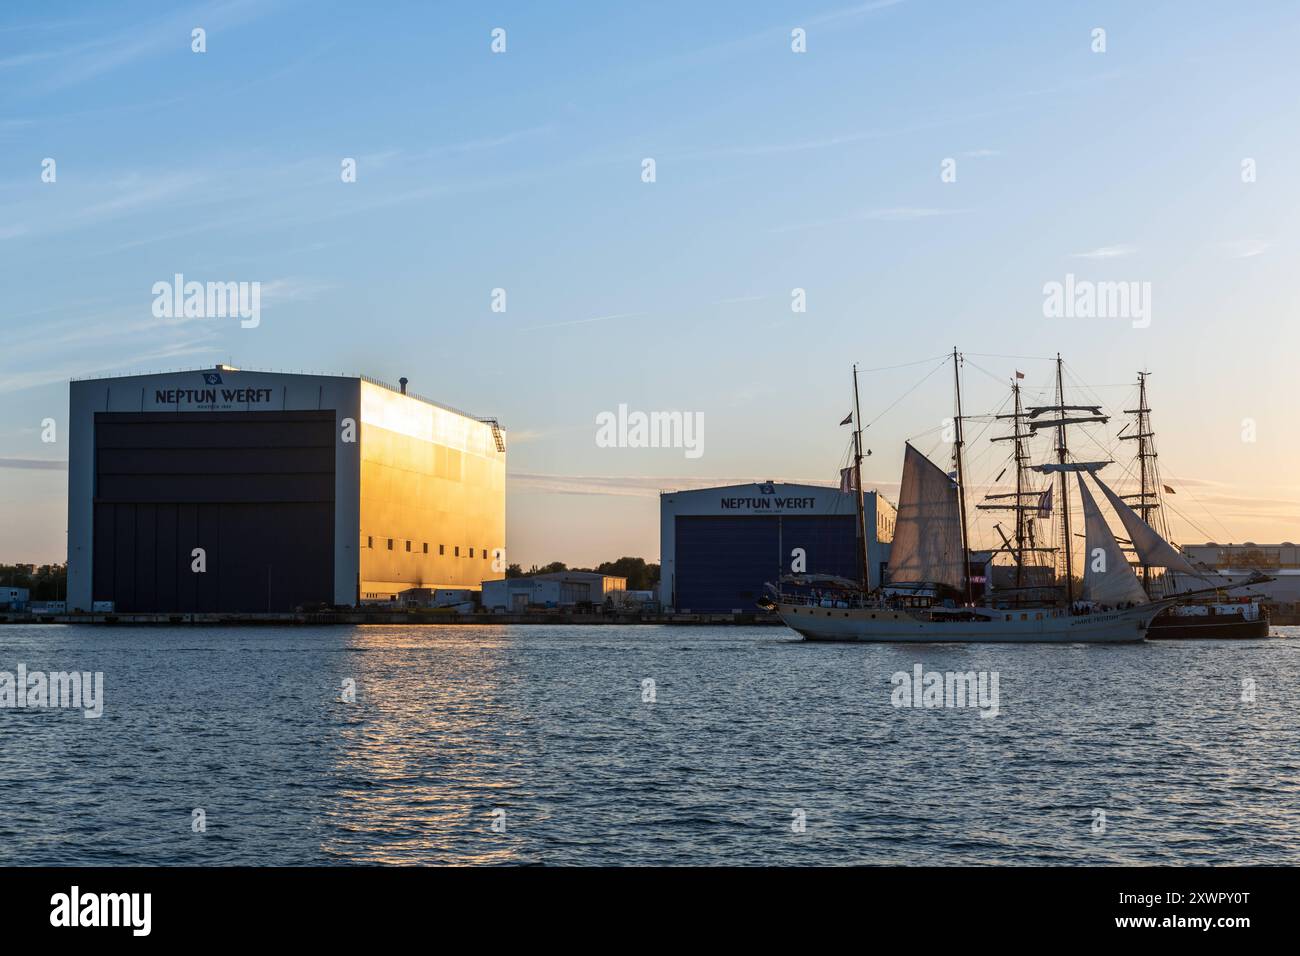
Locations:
(426, 547)
(471, 552)
(408, 546)
(458, 551)
(485, 554)
(370, 541)
(390, 544)
(442, 549)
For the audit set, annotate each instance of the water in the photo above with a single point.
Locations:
(548, 724)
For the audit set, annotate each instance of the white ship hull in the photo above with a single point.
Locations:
(1041, 625)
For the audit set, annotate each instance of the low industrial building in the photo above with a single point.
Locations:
(429, 598)
(558, 589)
(223, 490)
(1237, 562)
(719, 546)
(13, 599)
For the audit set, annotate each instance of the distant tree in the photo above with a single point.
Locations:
(49, 582)
(640, 575)
(514, 571)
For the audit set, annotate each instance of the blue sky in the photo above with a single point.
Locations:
(774, 171)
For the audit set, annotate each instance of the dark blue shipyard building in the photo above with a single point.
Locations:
(719, 546)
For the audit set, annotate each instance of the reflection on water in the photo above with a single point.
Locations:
(430, 714)
(548, 725)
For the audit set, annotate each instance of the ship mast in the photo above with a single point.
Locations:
(1147, 500)
(1024, 492)
(1067, 543)
(961, 480)
(1143, 508)
(1066, 415)
(1021, 458)
(857, 489)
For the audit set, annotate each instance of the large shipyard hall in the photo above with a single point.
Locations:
(223, 490)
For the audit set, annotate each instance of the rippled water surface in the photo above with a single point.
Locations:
(548, 724)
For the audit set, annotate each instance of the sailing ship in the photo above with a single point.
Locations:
(1216, 617)
(929, 596)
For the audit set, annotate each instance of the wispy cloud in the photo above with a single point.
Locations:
(293, 289)
(34, 464)
(1246, 248)
(72, 64)
(1106, 252)
(93, 366)
(637, 486)
(490, 142)
(596, 318)
(895, 214)
(135, 192)
(835, 140)
(779, 34)
(84, 206)
(907, 214)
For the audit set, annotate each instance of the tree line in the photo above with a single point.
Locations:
(640, 575)
(46, 582)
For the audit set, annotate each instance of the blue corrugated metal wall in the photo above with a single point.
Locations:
(723, 561)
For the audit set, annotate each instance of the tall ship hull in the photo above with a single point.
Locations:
(930, 593)
(971, 625)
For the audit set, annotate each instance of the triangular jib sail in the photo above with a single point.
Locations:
(927, 531)
(1151, 548)
(1107, 578)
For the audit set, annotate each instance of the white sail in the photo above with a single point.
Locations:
(927, 531)
(1151, 548)
(1107, 578)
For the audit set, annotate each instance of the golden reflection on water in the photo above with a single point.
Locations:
(428, 750)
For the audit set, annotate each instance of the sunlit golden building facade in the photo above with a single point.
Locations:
(432, 496)
(232, 490)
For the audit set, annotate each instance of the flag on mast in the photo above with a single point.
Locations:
(1045, 503)
(1019, 374)
(848, 419)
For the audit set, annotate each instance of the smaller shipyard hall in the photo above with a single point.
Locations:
(719, 546)
(222, 490)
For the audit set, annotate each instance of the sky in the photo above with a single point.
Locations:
(922, 171)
